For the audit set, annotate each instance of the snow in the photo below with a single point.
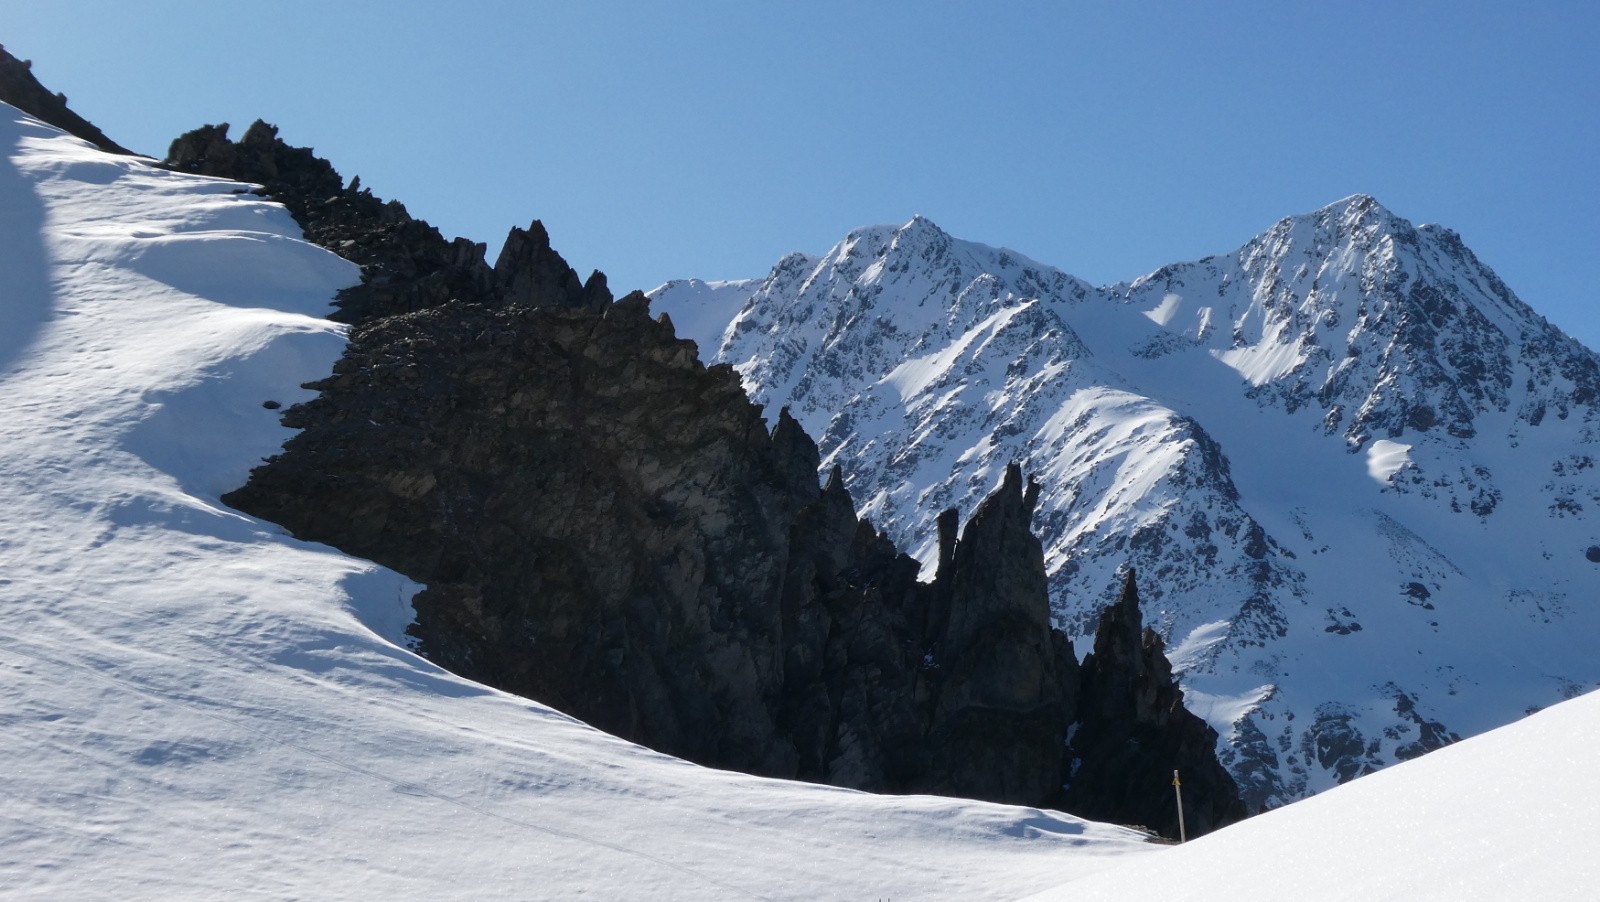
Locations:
(195, 705)
(1507, 815)
(915, 377)
(1224, 712)
(1163, 313)
(1195, 647)
(1386, 458)
(703, 310)
(1263, 363)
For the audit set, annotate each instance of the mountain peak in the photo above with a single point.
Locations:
(1358, 213)
(1359, 203)
(920, 225)
(918, 231)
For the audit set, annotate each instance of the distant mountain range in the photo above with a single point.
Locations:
(1356, 472)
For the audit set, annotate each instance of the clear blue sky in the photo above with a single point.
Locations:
(659, 140)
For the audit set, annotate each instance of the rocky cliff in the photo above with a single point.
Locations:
(607, 525)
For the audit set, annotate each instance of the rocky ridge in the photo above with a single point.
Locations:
(21, 89)
(406, 265)
(606, 524)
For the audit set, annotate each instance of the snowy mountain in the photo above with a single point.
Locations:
(1355, 470)
(196, 706)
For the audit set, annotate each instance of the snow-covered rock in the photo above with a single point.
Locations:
(1355, 470)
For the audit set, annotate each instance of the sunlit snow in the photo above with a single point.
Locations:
(1386, 458)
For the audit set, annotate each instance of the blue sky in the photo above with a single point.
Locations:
(663, 140)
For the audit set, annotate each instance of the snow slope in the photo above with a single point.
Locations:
(1355, 472)
(195, 706)
(1503, 816)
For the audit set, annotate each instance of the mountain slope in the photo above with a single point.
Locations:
(1313, 450)
(195, 705)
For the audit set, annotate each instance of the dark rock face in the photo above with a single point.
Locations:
(1133, 732)
(1008, 682)
(608, 526)
(528, 272)
(19, 88)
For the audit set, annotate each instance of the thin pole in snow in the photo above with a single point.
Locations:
(1177, 792)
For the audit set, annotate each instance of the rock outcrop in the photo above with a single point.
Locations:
(607, 525)
(19, 88)
(1007, 681)
(1133, 733)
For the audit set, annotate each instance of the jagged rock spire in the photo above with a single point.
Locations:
(1006, 682)
(530, 273)
(1133, 732)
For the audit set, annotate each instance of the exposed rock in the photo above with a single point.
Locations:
(1431, 734)
(608, 526)
(528, 271)
(19, 88)
(605, 525)
(1008, 682)
(1133, 733)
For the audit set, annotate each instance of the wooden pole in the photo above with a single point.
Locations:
(1177, 792)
